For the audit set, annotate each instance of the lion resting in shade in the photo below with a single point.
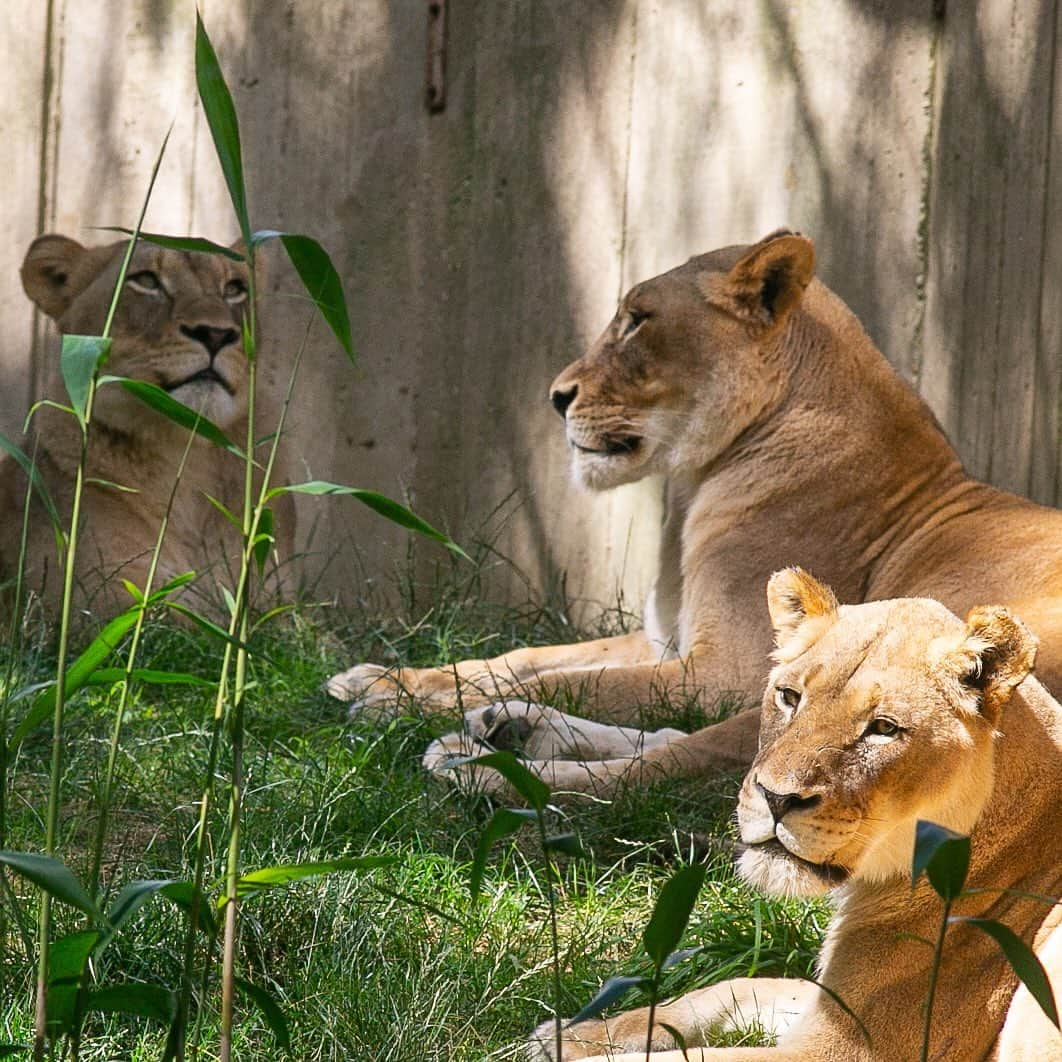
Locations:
(179, 325)
(877, 716)
(786, 439)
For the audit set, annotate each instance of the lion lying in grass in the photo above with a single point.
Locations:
(787, 439)
(874, 717)
(178, 325)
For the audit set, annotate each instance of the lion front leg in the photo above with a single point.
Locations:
(532, 672)
(771, 1004)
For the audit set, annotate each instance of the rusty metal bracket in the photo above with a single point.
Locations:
(435, 88)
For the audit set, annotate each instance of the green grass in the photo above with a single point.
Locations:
(393, 963)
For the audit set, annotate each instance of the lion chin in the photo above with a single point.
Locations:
(773, 869)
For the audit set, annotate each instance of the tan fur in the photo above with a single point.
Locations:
(786, 439)
(831, 803)
(167, 295)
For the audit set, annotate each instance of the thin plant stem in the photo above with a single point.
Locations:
(551, 900)
(655, 988)
(934, 971)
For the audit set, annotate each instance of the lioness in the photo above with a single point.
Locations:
(179, 325)
(787, 439)
(876, 716)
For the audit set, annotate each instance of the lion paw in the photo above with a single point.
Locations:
(367, 688)
(443, 759)
(586, 1040)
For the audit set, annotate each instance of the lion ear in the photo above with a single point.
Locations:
(57, 269)
(996, 654)
(770, 279)
(793, 598)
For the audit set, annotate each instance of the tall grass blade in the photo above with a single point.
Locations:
(319, 278)
(224, 127)
(256, 881)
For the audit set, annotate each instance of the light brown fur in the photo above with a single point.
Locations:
(179, 314)
(786, 438)
(879, 715)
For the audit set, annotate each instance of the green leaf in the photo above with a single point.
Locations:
(221, 117)
(168, 588)
(528, 785)
(54, 877)
(195, 244)
(181, 894)
(270, 1009)
(105, 676)
(164, 403)
(1022, 960)
(79, 672)
(681, 956)
(79, 360)
(672, 912)
(380, 503)
(567, 844)
(36, 480)
(67, 958)
(319, 278)
(212, 628)
(503, 823)
(263, 540)
(256, 881)
(137, 998)
(225, 511)
(132, 897)
(943, 855)
(614, 988)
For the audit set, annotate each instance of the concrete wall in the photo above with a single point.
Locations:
(583, 146)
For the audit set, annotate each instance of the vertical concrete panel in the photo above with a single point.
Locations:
(987, 224)
(23, 117)
(749, 117)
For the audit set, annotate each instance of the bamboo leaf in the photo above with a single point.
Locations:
(105, 676)
(567, 844)
(614, 988)
(681, 955)
(1023, 961)
(195, 244)
(54, 877)
(162, 402)
(182, 894)
(224, 127)
(528, 785)
(67, 957)
(263, 540)
(503, 823)
(672, 912)
(256, 881)
(78, 674)
(319, 278)
(270, 1010)
(79, 361)
(386, 507)
(137, 998)
(943, 855)
(29, 467)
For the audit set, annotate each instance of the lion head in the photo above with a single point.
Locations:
(875, 716)
(686, 365)
(178, 322)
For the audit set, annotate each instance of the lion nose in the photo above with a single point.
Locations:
(211, 338)
(780, 804)
(562, 398)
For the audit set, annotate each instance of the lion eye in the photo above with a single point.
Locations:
(882, 727)
(786, 697)
(145, 281)
(235, 291)
(634, 319)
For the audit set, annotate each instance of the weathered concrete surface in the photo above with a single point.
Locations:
(583, 147)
